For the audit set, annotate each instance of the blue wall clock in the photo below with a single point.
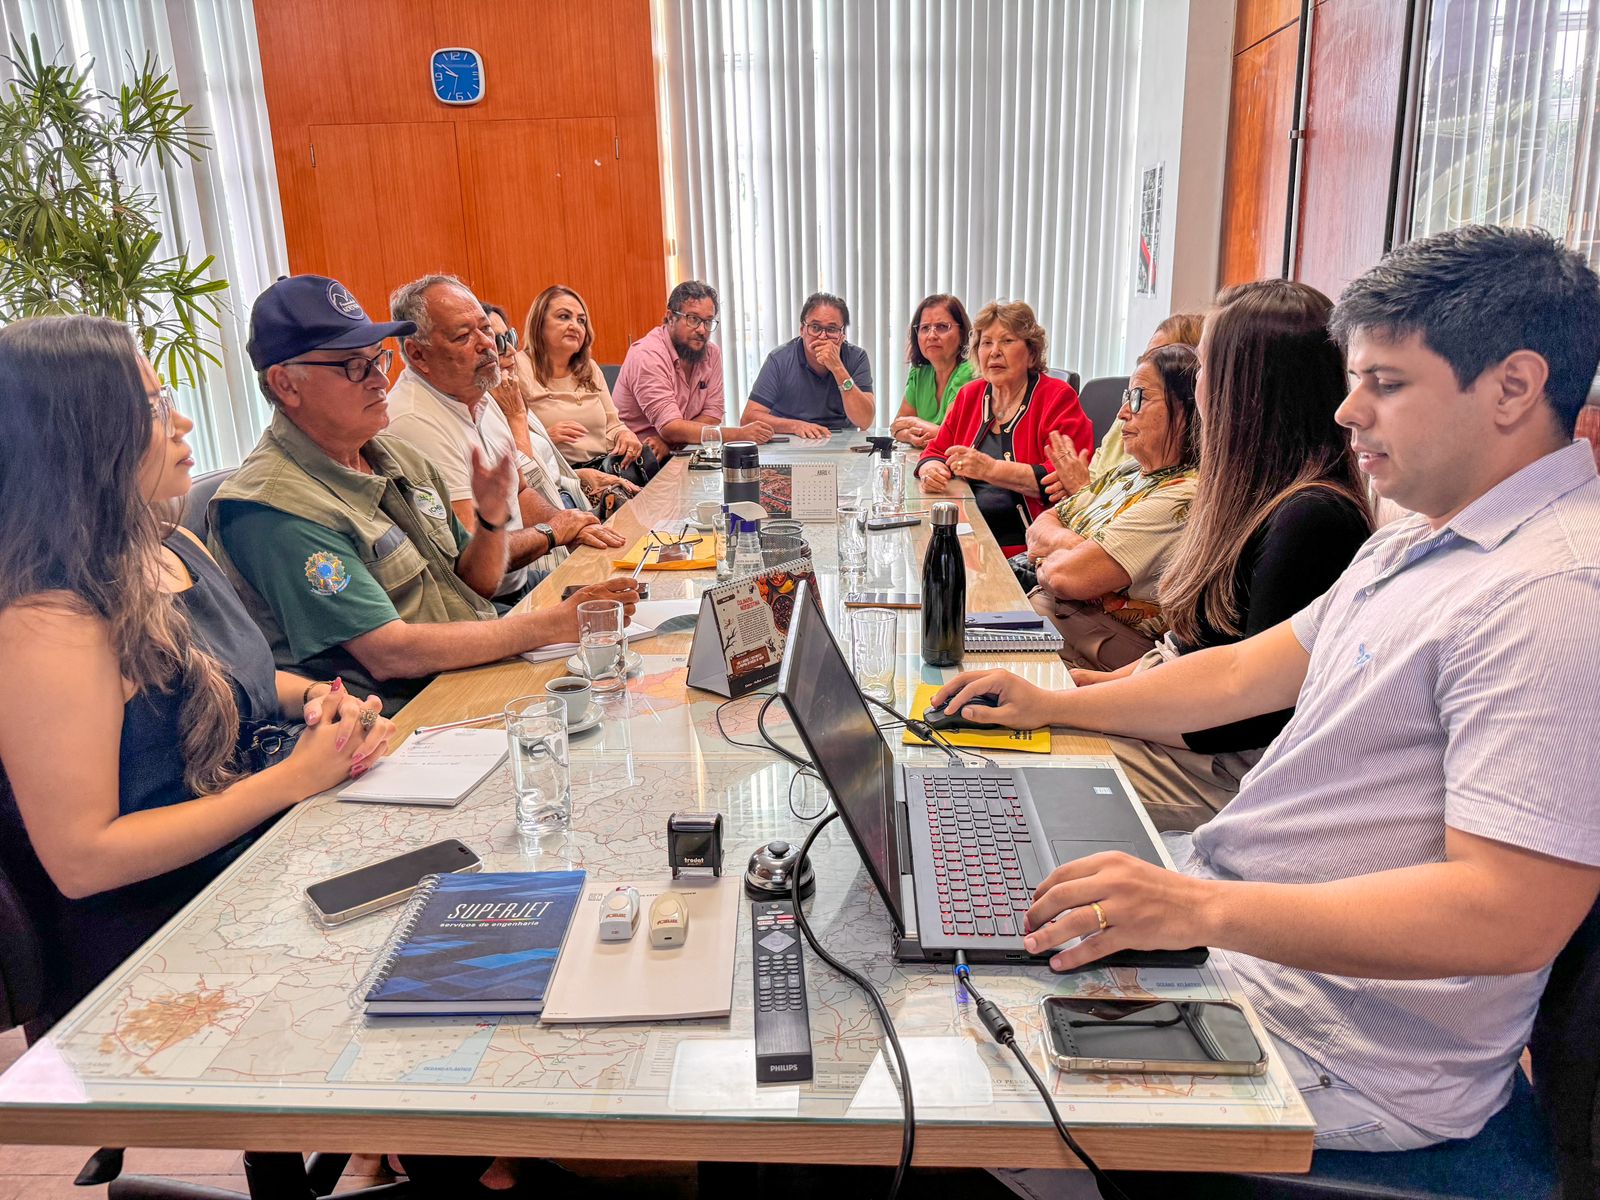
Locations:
(457, 75)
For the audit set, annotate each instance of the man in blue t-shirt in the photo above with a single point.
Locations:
(818, 382)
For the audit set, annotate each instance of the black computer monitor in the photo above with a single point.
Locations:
(850, 755)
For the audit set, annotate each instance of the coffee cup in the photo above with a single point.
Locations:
(574, 692)
(705, 513)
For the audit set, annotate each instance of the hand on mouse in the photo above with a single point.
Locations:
(1020, 705)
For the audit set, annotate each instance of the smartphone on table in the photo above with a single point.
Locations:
(1169, 1037)
(882, 600)
(382, 884)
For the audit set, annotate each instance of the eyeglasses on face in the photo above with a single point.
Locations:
(831, 332)
(694, 322)
(1135, 399)
(355, 369)
(505, 342)
(934, 329)
(161, 405)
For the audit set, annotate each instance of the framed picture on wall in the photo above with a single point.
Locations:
(1149, 229)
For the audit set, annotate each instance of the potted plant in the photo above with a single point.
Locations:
(77, 233)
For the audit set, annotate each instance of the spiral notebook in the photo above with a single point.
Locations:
(1011, 641)
(475, 944)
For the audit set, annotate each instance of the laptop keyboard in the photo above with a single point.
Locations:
(976, 826)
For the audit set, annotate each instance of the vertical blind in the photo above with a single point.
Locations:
(886, 149)
(224, 205)
(1510, 118)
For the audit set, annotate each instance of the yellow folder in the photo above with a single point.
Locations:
(1033, 741)
(703, 553)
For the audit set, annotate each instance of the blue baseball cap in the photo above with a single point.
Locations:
(312, 312)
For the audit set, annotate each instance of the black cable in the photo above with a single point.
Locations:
(806, 773)
(766, 739)
(931, 735)
(908, 1138)
(994, 1020)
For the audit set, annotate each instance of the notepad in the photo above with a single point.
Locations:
(438, 770)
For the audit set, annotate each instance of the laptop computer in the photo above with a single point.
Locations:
(954, 853)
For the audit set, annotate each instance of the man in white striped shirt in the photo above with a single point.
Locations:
(1423, 838)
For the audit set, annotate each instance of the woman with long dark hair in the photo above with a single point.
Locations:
(140, 737)
(1278, 513)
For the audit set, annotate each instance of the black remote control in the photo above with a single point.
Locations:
(783, 1019)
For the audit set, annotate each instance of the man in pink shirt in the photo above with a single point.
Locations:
(670, 386)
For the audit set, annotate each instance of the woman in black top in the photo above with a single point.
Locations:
(137, 724)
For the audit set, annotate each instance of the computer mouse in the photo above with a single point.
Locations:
(937, 718)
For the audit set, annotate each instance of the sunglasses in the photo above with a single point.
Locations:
(505, 342)
(355, 369)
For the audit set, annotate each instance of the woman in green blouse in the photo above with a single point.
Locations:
(936, 348)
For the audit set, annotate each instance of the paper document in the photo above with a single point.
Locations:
(633, 981)
(648, 618)
(439, 769)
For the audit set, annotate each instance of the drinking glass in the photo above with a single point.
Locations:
(603, 646)
(872, 651)
(536, 727)
(852, 536)
(711, 443)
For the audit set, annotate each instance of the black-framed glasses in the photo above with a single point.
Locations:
(505, 342)
(935, 328)
(161, 405)
(355, 369)
(1135, 399)
(831, 332)
(694, 322)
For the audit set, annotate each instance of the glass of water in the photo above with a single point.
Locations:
(536, 727)
(603, 645)
(711, 443)
(852, 536)
(873, 644)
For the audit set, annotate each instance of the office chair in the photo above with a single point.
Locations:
(199, 499)
(610, 371)
(1102, 400)
(268, 1175)
(1544, 1145)
(1070, 378)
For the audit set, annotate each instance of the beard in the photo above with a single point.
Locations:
(690, 353)
(487, 377)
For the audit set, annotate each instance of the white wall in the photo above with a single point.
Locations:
(1185, 69)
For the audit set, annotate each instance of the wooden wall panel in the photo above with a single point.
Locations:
(1256, 183)
(1256, 19)
(363, 64)
(1352, 108)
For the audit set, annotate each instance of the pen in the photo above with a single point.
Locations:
(422, 730)
(639, 566)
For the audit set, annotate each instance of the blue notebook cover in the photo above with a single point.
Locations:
(476, 944)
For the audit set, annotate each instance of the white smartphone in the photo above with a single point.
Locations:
(381, 884)
(882, 600)
(1169, 1037)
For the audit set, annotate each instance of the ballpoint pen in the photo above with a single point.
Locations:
(421, 730)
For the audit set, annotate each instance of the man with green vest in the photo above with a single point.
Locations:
(339, 539)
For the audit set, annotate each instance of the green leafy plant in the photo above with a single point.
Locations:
(77, 234)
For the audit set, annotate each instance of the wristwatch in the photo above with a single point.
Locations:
(849, 385)
(549, 535)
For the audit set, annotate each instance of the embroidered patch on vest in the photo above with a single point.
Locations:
(326, 574)
(428, 503)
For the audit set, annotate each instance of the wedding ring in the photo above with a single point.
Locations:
(1100, 915)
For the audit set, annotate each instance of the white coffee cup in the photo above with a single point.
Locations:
(705, 513)
(574, 692)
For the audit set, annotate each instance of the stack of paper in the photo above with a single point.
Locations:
(436, 769)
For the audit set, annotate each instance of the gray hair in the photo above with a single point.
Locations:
(409, 302)
(266, 389)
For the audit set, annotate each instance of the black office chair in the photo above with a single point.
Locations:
(199, 499)
(1101, 400)
(22, 1002)
(610, 371)
(1544, 1145)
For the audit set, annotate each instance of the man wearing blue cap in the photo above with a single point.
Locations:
(339, 538)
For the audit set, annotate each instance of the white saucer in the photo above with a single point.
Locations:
(586, 725)
(634, 662)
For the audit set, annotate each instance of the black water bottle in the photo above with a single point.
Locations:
(741, 473)
(944, 591)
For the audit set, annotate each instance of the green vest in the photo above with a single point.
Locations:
(396, 519)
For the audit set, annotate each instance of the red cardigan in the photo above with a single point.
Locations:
(1053, 406)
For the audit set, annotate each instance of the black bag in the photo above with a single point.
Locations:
(640, 471)
(1025, 569)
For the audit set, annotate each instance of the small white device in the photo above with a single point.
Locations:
(619, 914)
(669, 921)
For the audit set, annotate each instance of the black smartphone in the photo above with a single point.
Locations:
(642, 584)
(778, 437)
(897, 521)
(882, 600)
(381, 884)
(1169, 1037)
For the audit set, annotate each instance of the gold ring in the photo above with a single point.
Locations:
(368, 719)
(1100, 915)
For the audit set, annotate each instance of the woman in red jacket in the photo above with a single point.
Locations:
(996, 432)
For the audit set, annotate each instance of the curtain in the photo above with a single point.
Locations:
(887, 149)
(226, 204)
(1510, 118)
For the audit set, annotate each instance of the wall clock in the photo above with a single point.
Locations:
(457, 75)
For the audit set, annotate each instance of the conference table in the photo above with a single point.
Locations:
(240, 1025)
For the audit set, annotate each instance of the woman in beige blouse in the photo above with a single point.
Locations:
(569, 394)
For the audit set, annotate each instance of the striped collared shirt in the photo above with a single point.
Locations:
(1452, 682)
